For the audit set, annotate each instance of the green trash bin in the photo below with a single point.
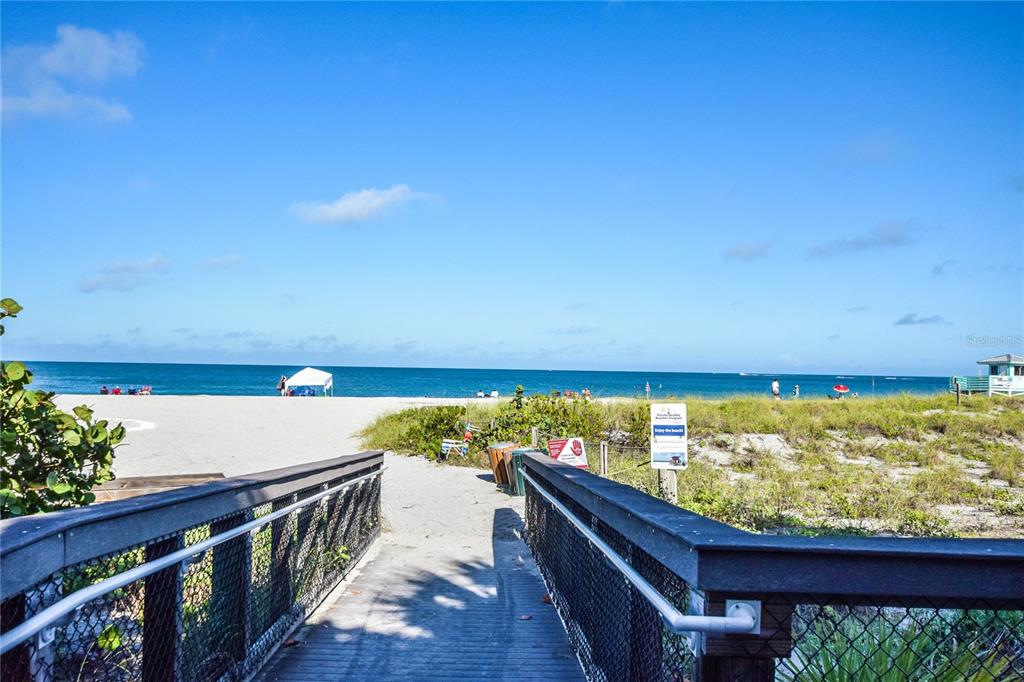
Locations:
(517, 466)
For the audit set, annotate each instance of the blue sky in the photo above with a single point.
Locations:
(771, 187)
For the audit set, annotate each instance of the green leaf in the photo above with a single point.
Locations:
(117, 435)
(10, 306)
(83, 412)
(14, 370)
(58, 486)
(97, 434)
(72, 437)
(109, 639)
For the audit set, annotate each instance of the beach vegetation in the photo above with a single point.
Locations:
(894, 645)
(902, 465)
(51, 458)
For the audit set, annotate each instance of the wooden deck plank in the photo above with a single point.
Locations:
(469, 607)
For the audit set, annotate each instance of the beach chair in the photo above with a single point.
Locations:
(449, 445)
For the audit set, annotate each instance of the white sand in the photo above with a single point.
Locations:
(235, 435)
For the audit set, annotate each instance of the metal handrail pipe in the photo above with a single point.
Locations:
(67, 605)
(743, 619)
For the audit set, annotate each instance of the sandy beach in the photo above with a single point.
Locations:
(234, 435)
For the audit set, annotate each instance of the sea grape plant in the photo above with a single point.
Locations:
(51, 459)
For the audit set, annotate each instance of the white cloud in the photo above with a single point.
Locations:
(873, 148)
(92, 55)
(942, 269)
(572, 330)
(51, 99)
(221, 262)
(914, 319)
(747, 251)
(37, 76)
(882, 236)
(153, 263)
(124, 275)
(357, 206)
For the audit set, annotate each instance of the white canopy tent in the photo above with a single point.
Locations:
(311, 377)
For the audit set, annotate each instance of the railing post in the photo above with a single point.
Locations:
(161, 630)
(231, 580)
(39, 598)
(604, 458)
(742, 658)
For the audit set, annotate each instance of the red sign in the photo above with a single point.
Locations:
(569, 451)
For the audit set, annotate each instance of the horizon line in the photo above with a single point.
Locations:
(494, 369)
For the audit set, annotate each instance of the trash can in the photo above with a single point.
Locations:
(497, 453)
(517, 466)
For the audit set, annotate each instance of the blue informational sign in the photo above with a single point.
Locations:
(668, 436)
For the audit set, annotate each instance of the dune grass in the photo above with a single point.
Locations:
(905, 464)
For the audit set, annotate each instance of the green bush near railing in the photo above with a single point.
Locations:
(891, 645)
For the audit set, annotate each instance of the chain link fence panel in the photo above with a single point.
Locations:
(618, 635)
(216, 616)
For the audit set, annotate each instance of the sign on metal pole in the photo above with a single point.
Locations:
(569, 451)
(668, 435)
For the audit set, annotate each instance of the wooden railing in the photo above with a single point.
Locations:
(198, 583)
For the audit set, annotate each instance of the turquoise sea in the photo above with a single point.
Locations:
(180, 379)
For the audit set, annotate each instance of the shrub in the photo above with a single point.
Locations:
(51, 459)
(416, 431)
(554, 417)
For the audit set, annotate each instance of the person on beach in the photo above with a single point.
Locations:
(775, 389)
(796, 391)
(281, 385)
(104, 390)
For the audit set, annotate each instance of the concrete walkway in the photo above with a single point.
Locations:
(451, 594)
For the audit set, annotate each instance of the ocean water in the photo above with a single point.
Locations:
(180, 379)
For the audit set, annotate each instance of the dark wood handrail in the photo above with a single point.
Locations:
(34, 547)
